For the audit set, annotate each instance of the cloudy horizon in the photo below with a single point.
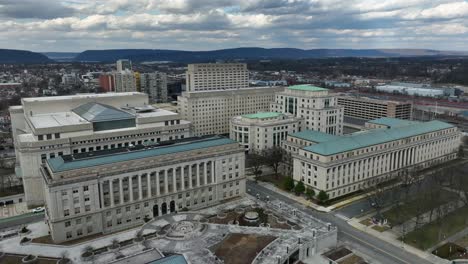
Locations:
(78, 25)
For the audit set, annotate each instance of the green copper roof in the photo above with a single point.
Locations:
(58, 164)
(374, 137)
(314, 136)
(261, 115)
(392, 122)
(307, 87)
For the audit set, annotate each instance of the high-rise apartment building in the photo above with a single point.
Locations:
(113, 190)
(216, 76)
(123, 65)
(368, 108)
(125, 81)
(155, 85)
(107, 82)
(318, 108)
(49, 127)
(210, 111)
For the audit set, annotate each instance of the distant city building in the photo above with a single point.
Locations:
(107, 82)
(339, 165)
(318, 108)
(112, 190)
(125, 81)
(337, 84)
(368, 108)
(216, 76)
(155, 85)
(210, 111)
(48, 127)
(69, 79)
(123, 65)
(410, 89)
(263, 130)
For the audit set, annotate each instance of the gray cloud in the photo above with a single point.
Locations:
(75, 25)
(39, 9)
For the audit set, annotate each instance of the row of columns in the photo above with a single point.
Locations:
(156, 177)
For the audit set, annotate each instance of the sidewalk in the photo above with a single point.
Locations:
(391, 238)
(291, 196)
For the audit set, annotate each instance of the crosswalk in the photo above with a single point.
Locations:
(342, 217)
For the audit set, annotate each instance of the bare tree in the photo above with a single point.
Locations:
(273, 158)
(256, 162)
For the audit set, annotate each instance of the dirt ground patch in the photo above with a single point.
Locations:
(15, 259)
(241, 248)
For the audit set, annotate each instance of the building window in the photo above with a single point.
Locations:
(77, 210)
(69, 235)
(90, 229)
(66, 212)
(67, 223)
(85, 188)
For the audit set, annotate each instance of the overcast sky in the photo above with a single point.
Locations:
(77, 25)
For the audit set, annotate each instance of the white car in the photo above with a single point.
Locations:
(38, 210)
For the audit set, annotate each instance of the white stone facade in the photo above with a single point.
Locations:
(369, 157)
(260, 131)
(318, 108)
(113, 195)
(46, 127)
(211, 111)
(216, 76)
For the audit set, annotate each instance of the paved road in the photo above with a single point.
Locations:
(369, 245)
(20, 220)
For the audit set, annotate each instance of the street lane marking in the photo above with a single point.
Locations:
(342, 217)
(374, 247)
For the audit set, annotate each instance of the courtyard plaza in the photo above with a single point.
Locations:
(197, 237)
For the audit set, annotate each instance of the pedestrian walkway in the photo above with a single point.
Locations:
(393, 239)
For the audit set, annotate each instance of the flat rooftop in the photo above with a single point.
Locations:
(307, 87)
(56, 120)
(374, 137)
(79, 96)
(97, 158)
(261, 115)
(392, 122)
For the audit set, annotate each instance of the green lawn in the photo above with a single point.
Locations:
(277, 181)
(402, 213)
(428, 235)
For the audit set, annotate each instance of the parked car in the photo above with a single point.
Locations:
(38, 210)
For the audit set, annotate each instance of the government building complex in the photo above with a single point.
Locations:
(114, 189)
(340, 165)
(49, 127)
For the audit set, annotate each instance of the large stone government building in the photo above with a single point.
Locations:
(48, 127)
(340, 165)
(111, 190)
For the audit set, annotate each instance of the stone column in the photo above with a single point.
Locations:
(182, 177)
(121, 191)
(148, 184)
(205, 173)
(140, 188)
(213, 175)
(130, 187)
(111, 191)
(157, 184)
(166, 188)
(101, 194)
(190, 175)
(198, 175)
(174, 180)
